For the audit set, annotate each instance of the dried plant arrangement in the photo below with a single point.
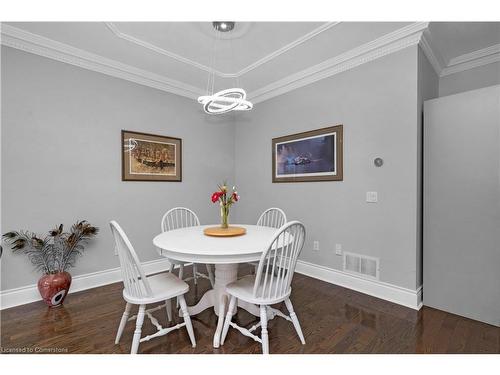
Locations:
(52, 255)
(55, 252)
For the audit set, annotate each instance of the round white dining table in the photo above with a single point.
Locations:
(192, 245)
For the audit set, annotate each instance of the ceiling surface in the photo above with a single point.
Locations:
(453, 39)
(255, 55)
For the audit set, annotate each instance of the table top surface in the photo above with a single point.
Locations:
(192, 245)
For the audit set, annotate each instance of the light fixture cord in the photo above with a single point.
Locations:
(237, 77)
(211, 73)
(210, 67)
(217, 37)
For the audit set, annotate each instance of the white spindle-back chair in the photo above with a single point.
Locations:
(272, 217)
(142, 290)
(135, 281)
(179, 217)
(271, 283)
(182, 217)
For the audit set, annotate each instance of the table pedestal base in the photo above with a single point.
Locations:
(218, 298)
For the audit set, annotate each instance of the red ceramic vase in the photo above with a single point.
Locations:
(54, 287)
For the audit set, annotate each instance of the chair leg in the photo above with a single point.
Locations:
(187, 320)
(195, 274)
(169, 309)
(181, 271)
(169, 303)
(210, 273)
(295, 320)
(123, 322)
(138, 327)
(264, 335)
(229, 316)
(181, 275)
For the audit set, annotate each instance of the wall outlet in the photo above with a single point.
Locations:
(316, 245)
(371, 196)
(338, 249)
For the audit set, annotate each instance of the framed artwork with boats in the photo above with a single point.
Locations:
(315, 155)
(150, 157)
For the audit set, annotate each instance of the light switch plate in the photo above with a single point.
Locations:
(338, 249)
(371, 196)
(316, 245)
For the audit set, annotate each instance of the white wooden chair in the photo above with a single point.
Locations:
(181, 217)
(270, 285)
(272, 217)
(141, 290)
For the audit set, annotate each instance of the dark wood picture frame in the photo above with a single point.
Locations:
(338, 154)
(127, 175)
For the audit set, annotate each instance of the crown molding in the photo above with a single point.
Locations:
(492, 50)
(434, 57)
(36, 44)
(460, 63)
(472, 60)
(256, 64)
(470, 65)
(385, 45)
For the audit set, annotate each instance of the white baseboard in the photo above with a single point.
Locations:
(27, 294)
(379, 289)
(389, 292)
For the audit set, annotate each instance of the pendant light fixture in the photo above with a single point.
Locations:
(234, 99)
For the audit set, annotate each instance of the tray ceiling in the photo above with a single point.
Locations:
(259, 56)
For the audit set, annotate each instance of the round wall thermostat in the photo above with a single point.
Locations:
(378, 162)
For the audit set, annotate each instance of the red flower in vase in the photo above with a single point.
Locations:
(216, 196)
(235, 197)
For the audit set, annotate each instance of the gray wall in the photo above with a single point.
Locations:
(462, 204)
(61, 157)
(483, 76)
(68, 118)
(377, 104)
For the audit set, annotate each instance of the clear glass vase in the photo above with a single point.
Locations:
(224, 213)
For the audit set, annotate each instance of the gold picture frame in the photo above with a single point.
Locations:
(150, 157)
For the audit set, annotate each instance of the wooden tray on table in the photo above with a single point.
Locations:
(230, 231)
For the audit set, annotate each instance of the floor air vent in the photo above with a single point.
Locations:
(361, 265)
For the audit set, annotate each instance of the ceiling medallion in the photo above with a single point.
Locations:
(223, 26)
(235, 99)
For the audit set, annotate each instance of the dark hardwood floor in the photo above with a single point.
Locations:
(333, 319)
